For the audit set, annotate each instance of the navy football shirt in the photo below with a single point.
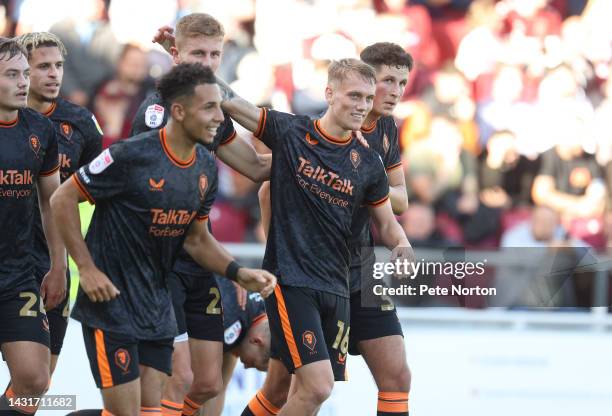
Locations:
(152, 114)
(28, 149)
(383, 138)
(238, 321)
(146, 199)
(317, 183)
(79, 142)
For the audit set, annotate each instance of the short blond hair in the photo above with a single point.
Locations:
(339, 71)
(198, 24)
(31, 41)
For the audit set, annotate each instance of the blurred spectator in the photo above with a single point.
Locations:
(570, 181)
(419, 223)
(116, 101)
(541, 230)
(506, 177)
(443, 174)
(448, 96)
(92, 51)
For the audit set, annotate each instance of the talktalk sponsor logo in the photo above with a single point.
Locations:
(172, 216)
(65, 161)
(16, 177)
(326, 177)
(168, 219)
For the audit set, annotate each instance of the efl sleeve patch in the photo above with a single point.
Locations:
(101, 162)
(232, 333)
(154, 116)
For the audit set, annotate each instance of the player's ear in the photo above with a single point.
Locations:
(175, 54)
(177, 110)
(329, 94)
(256, 340)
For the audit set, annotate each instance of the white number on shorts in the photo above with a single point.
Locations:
(26, 310)
(341, 341)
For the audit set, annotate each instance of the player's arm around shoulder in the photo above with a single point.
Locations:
(240, 155)
(210, 254)
(243, 112)
(64, 206)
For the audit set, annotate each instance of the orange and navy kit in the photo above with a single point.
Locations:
(79, 142)
(238, 321)
(28, 150)
(193, 288)
(371, 322)
(317, 183)
(146, 199)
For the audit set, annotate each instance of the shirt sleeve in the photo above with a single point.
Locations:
(228, 132)
(548, 164)
(272, 126)
(377, 191)
(392, 158)
(50, 163)
(209, 199)
(93, 140)
(104, 177)
(150, 116)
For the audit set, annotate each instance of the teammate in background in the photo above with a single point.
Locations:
(199, 38)
(320, 177)
(375, 333)
(246, 337)
(153, 194)
(28, 165)
(79, 142)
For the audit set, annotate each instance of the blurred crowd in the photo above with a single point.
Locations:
(505, 126)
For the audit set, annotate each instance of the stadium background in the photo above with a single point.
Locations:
(494, 80)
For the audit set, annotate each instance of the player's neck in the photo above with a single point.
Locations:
(371, 118)
(332, 128)
(178, 141)
(40, 105)
(6, 116)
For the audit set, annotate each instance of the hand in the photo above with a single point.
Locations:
(241, 295)
(165, 37)
(53, 288)
(361, 139)
(96, 285)
(256, 280)
(405, 254)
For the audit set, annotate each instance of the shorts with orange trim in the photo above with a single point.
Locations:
(114, 358)
(307, 326)
(23, 316)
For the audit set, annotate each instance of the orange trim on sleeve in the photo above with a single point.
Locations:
(229, 139)
(49, 172)
(82, 189)
(286, 325)
(106, 413)
(393, 167)
(173, 158)
(261, 125)
(102, 359)
(379, 202)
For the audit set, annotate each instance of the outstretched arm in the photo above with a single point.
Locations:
(208, 253)
(245, 113)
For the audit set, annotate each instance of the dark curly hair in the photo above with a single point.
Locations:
(386, 53)
(181, 81)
